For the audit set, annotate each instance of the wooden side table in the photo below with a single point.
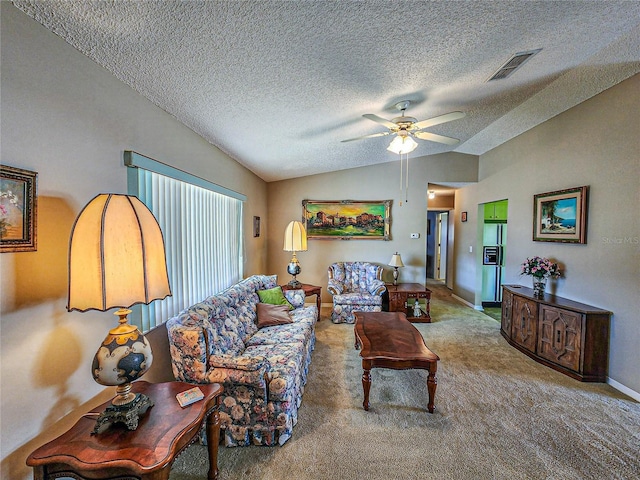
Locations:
(402, 297)
(308, 291)
(148, 452)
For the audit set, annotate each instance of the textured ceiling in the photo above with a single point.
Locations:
(278, 84)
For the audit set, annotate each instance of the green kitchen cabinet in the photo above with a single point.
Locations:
(496, 211)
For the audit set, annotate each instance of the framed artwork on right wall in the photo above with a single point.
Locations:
(561, 216)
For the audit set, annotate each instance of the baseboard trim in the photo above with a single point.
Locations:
(468, 304)
(626, 390)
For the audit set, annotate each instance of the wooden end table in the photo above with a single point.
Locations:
(148, 452)
(402, 297)
(308, 291)
(388, 340)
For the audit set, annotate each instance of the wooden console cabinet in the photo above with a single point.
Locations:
(570, 337)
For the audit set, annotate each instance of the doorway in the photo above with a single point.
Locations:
(437, 241)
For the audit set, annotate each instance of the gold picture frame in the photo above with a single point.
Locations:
(561, 216)
(18, 209)
(347, 219)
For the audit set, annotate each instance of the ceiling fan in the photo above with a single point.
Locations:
(407, 127)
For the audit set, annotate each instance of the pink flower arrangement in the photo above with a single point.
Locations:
(540, 267)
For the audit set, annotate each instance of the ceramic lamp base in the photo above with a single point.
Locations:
(294, 269)
(124, 356)
(127, 414)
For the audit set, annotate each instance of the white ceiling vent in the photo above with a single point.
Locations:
(513, 64)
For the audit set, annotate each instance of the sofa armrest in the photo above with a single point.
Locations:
(231, 372)
(334, 287)
(188, 349)
(377, 287)
(295, 297)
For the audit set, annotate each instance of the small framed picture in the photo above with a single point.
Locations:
(256, 226)
(17, 210)
(463, 217)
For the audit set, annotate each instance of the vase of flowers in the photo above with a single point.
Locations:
(539, 269)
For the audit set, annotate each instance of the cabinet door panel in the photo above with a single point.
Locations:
(396, 302)
(500, 211)
(507, 309)
(524, 324)
(559, 336)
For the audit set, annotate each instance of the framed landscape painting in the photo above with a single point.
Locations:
(561, 216)
(347, 219)
(17, 210)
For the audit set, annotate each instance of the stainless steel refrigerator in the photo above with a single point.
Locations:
(494, 240)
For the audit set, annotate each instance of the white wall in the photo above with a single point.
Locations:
(68, 119)
(379, 182)
(595, 143)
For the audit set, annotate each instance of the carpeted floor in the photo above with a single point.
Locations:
(499, 415)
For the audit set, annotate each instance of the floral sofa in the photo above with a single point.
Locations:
(356, 287)
(263, 370)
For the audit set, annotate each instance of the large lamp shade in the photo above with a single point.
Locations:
(116, 255)
(295, 237)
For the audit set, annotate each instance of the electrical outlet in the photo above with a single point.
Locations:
(415, 235)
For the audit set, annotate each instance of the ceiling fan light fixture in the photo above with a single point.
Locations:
(402, 144)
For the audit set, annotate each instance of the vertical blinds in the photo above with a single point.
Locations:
(202, 231)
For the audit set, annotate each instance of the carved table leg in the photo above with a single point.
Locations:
(431, 386)
(366, 385)
(213, 438)
(318, 304)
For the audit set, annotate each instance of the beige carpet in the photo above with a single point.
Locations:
(499, 415)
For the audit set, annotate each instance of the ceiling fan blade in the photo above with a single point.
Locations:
(447, 117)
(380, 120)
(436, 138)
(367, 136)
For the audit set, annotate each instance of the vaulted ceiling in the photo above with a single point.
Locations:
(278, 85)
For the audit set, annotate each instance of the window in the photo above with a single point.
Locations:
(202, 227)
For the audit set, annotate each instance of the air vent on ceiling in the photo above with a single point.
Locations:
(513, 64)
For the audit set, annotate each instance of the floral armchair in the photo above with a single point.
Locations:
(356, 287)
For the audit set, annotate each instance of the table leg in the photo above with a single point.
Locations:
(366, 385)
(428, 307)
(431, 386)
(318, 302)
(213, 439)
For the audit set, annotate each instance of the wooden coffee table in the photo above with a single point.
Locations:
(148, 452)
(388, 340)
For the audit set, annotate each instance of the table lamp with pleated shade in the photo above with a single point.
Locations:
(295, 240)
(117, 260)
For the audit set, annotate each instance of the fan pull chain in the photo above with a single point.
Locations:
(404, 180)
(406, 190)
(400, 155)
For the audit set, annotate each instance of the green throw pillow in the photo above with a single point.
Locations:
(274, 296)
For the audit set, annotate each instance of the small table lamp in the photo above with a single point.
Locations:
(396, 262)
(295, 240)
(117, 259)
